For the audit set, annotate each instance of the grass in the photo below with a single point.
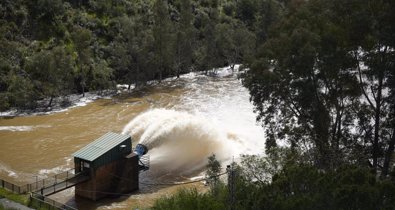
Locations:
(22, 199)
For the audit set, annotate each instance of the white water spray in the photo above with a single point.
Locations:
(213, 116)
(179, 142)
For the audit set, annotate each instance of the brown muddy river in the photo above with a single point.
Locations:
(182, 121)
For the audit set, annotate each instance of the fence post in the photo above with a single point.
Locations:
(67, 177)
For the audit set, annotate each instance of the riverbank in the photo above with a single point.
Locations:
(60, 104)
(65, 103)
(9, 200)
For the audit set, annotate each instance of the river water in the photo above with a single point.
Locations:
(182, 121)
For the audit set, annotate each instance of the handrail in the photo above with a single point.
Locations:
(70, 181)
(39, 201)
(13, 187)
(50, 181)
(144, 162)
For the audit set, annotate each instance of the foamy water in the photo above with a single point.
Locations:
(213, 117)
(22, 128)
(179, 142)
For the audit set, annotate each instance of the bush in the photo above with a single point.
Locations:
(188, 199)
(295, 186)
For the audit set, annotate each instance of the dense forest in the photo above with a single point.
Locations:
(51, 48)
(322, 81)
(321, 75)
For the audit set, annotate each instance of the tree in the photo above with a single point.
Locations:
(101, 76)
(292, 186)
(82, 39)
(375, 60)
(269, 12)
(162, 37)
(246, 10)
(213, 171)
(20, 91)
(51, 72)
(47, 15)
(235, 43)
(304, 87)
(184, 38)
(131, 57)
(211, 57)
(326, 64)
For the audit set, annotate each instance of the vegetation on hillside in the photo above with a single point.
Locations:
(51, 48)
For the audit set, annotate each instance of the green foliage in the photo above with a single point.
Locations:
(162, 37)
(22, 199)
(188, 199)
(20, 91)
(323, 65)
(349, 187)
(280, 181)
(213, 170)
(59, 47)
(51, 72)
(246, 11)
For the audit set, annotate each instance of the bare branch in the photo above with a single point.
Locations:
(361, 85)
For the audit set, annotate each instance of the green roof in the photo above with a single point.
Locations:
(100, 146)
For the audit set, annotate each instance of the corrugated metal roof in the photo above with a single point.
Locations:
(100, 146)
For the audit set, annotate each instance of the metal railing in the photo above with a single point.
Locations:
(62, 184)
(47, 186)
(144, 162)
(38, 201)
(50, 181)
(13, 187)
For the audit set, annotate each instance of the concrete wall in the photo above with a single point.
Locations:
(121, 176)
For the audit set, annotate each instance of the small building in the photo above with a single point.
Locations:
(111, 165)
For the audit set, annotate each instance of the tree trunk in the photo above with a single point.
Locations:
(321, 129)
(50, 102)
(377, 124)
(388, 155)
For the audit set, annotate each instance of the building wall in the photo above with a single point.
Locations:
(121, 176)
